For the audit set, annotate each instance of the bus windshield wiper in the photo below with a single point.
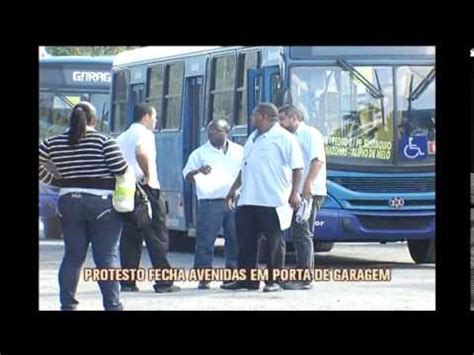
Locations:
(375, 92)
(64, 98)
(422, 86)
(381, 97)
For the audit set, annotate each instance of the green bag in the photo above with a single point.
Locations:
(124, 195)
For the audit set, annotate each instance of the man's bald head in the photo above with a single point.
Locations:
(219, 125)
(217, 131)
(268, 110)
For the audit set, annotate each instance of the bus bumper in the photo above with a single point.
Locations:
(337, 225)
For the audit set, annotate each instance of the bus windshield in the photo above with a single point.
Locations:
(64, 81)
(56, 106)
(354, 108)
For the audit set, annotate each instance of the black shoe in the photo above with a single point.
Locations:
(288, 285)
(226, 283)
(240, 285)
(166, 289)
(295, 285)
(129, 288)
(118, 308)
(69, 308)
(204, 285)
(272, 287)
(306, 286)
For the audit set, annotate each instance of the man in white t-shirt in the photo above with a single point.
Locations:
(138, 146)
(313, 188)
(213, 167)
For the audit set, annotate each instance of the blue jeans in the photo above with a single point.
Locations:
(212, 215)
(85, 219)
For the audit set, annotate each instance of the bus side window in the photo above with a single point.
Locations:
(154, 92)
(173, 97)
(120, 101)
(222, 88)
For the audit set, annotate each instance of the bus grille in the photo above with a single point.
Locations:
(396, 223)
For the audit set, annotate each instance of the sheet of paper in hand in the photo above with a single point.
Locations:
(285, 213)
(216, 183)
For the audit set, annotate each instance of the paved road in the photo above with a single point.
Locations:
(412, 287)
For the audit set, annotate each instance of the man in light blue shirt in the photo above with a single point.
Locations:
(313, 189)
(270, 178)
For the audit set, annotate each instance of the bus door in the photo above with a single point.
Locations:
(191, 130)
(263, 86)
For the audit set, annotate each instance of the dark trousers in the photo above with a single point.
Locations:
(251, 222)
(88, 219)
(155, 236)
(302, 236)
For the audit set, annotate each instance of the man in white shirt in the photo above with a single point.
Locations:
(313, 188)
(213, 167)
(270, 177)
(139, 149)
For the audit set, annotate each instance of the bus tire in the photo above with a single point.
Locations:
(52, 228)
(322, 246)
(422, 251)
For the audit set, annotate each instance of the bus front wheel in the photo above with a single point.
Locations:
(322, 246)
(422, 251)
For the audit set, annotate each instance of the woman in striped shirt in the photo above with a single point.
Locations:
(84, 163)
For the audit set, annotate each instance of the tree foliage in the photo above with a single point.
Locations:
(92, 51)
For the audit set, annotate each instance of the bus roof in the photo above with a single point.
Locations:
(77, 60)
(157, 52)
(314, 52)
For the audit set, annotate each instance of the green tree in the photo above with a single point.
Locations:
(92, 51)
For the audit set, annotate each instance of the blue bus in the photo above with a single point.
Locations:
(63, 82)
(375, 107)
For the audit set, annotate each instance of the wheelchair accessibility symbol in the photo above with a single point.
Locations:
(414, 147)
